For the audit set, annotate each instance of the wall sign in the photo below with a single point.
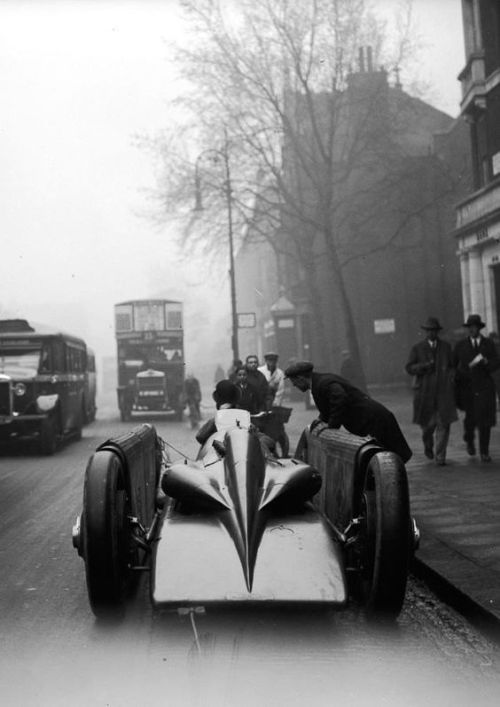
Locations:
(285, 323)
(384, 326)
(246, 320)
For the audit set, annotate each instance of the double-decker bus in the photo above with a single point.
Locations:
(47, 384)
(150, 351)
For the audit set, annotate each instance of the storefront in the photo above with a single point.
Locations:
(478, 238)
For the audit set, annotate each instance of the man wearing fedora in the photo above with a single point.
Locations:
(431, 364)
(340, 403)
(475, 358)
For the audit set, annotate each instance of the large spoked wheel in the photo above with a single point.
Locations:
(106, 534)
(383, 547)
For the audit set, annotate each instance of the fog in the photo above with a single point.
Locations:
(78, 80)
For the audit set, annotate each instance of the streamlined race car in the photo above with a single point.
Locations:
(240, 526)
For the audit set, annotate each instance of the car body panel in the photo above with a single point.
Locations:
(195, 563)
(241, 528)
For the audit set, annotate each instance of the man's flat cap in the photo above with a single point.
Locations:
(300, 368)
(271, 354)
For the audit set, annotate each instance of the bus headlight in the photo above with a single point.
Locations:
(19, 389)
(45, 403)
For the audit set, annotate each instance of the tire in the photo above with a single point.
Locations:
(48, 436)
(106, 535)
(383, 548)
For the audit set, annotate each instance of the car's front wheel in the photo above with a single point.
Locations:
(383, 547)
(106, 534)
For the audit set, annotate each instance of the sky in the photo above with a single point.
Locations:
(78, 80)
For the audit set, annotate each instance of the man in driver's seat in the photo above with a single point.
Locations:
(226, 396)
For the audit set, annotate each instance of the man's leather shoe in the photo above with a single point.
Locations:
(485, 458)
(441, 462)
(471, 449)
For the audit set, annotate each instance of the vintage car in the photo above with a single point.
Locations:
(240, 526)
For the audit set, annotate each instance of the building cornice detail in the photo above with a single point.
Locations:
(481, 206)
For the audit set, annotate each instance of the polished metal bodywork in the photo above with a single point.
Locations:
(239, 527)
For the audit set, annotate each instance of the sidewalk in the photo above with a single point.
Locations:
(457, 509)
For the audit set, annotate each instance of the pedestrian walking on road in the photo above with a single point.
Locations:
(192, 395)
(340, 403)
(475, 359)
(431, 364)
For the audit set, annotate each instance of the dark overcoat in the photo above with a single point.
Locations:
(249, 399)
(475, 386)
(257, 380)
(433, 382)
(340, 403)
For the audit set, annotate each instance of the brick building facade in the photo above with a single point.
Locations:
(398, 260)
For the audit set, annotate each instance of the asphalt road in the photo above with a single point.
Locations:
(52, 652)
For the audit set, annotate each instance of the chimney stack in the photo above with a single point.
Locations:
(361, 60)
(369, 59)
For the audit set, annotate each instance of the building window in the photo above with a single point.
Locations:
(495, 162)
(486, 170)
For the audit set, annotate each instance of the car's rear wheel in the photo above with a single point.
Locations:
(383, 547)
(106, 534)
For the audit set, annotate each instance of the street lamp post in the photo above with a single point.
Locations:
(199, 207)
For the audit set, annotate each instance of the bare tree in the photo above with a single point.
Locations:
(271, 91)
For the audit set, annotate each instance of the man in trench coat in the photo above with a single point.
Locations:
(340, 403)
(475, 358)
(431, 364)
